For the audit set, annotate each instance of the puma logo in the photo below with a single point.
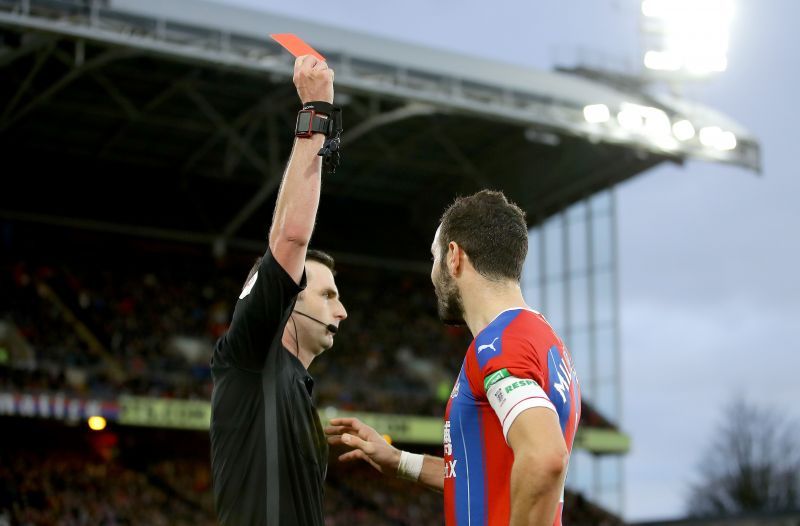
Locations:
(488, 346)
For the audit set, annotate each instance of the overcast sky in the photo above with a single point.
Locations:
(709, 255)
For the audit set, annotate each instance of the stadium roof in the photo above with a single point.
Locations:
(178, 116)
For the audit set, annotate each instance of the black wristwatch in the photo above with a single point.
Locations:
(315, 117)
(325, 118)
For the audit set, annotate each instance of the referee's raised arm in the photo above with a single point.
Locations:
(298, 197)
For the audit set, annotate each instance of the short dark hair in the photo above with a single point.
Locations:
(322, 257)
(311, 255)
(491, 230)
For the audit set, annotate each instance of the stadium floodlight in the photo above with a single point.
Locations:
(667, 143)
(596, 113)
(683, 130)
(630, 119)
(726, 141)
(651, 121)
(693, 35)
(715, 137)
(663, 60)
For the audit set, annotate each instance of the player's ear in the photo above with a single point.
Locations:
(454, 258)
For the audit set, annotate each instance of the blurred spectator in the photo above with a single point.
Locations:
(160, 325)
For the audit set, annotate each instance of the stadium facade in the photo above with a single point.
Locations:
(176, 100)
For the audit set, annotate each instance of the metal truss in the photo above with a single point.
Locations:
(100, 23)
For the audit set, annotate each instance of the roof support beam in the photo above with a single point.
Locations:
(218, 120)
(32, 42)
(270, 184)
(274, 102)
(382, 119)
(470, 170)
(41, 58)
(74, 74)
(233, 155)
(165, 94)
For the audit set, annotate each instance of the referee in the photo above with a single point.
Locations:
(268, 451)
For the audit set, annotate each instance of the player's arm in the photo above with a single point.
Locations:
(298, 197)
(370, 446)
(540, 466)
(532, 429)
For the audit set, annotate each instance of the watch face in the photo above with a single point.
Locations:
(304, 121)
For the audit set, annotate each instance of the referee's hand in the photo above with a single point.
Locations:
(367, 444)
(313, 79)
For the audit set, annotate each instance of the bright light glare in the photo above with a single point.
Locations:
(695, 34)
(710, 135)
(656, 122)
(663, 61)
(596, 113)
(630, 119)
(726, 141)
(683, 130)
(97, 423)
(715, 137)
(651, 121)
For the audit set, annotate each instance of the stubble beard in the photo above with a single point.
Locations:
(448, 299)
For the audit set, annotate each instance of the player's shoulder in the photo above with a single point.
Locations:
(515, 324)
(528, 325)
(511, 330)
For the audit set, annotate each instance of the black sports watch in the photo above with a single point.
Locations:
(325, 118)
(315, 117)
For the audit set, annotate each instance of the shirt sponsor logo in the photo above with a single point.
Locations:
(450, 468)
(518, 384)
(488, 346)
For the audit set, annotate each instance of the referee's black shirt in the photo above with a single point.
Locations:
(268, 451)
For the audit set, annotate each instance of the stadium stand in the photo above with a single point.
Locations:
(53, 474)
(148, 330)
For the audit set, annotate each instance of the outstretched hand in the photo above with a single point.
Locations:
(313, 79)
(365, 442)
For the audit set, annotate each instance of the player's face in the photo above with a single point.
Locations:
(321, 300)
(448, 297)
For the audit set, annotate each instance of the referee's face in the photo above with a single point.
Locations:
(321, 300)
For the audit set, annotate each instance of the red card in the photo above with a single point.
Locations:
(295, 45)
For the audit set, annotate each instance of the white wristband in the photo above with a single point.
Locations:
(410, 466)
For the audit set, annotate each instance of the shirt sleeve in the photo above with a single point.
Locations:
(261, 311)
(517, 356)
(513, 378)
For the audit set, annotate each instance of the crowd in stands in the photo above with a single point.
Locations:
(156, 328)
(70, 489)
(76, 488)
(148, 329)
(55, 474)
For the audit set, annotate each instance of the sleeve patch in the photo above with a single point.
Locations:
(495, 377)
(249, 286)
(510, 396)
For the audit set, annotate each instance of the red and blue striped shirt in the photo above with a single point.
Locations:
(515, 363)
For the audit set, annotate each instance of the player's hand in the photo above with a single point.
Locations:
(313, 79)
(367, 444)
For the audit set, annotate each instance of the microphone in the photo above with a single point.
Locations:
(331, 327)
